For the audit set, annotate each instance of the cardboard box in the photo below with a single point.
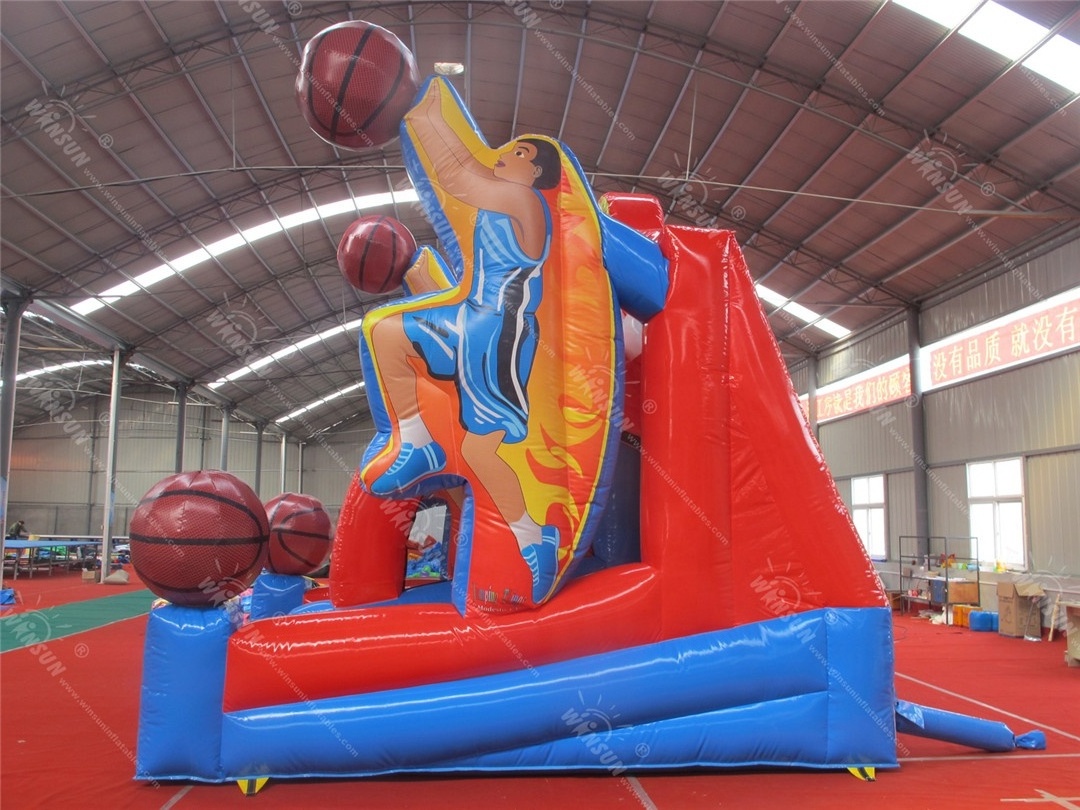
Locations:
(1072, 634)
(89, 575)
(963, 591)
(960, 591)
(1020, 608)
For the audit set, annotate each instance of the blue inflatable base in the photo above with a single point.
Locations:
(276, 595)
(813, 690)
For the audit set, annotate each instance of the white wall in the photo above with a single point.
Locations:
(57, 481)
(1031, 411)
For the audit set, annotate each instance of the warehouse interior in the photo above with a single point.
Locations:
(903, 178)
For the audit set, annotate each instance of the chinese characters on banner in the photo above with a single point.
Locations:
(889, 382)
(1046, 328)
(1031, 334)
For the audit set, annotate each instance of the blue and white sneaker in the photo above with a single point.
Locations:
(543, 561)
(411, 465)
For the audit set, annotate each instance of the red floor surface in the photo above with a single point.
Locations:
(69, 715)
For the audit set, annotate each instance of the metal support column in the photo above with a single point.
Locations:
(300, 467)
(226, 413)
(13, 309)
(259, 428)
(181, 424)
(811, 394)
(110, 466)
(919, 464)
(284, 455)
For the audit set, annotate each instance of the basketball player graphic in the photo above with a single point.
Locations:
(486, 374)
(495, 329)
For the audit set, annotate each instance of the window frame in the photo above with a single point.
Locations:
(868, 508)
(990, 551)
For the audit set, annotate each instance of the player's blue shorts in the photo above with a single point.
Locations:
(486, 345)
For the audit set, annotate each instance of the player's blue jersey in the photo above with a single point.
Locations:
(487, 342)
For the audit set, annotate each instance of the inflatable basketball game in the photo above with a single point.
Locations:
(648, 564)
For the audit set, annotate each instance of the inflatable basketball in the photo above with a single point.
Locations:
(374, 253)
(355, 84)
(299, 534)
(199, 538)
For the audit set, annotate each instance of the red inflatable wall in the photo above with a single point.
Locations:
(739, 511)
(740, 522)
(368, 560)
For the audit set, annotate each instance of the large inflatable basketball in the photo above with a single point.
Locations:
(355, 84)
(375, 252)
(199, 538)
(299, 534)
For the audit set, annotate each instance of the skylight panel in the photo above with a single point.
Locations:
(257, 232)
(226, 244)
(119, 291)
(1008, 33)
(299, 218)
(37, 372)
(189, 260)
(770, 296)
(337, 208)
(798, 311)
(385, 198)
(831, 327)
(159, 273)
(319, 402)
(1059, 61)
(303, 344)
(1003, 31)
(948, 14)
(282, 353)
(349, 205)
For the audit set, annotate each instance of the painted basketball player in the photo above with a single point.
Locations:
(485, 343)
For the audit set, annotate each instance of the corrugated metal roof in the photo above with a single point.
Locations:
(854, 148)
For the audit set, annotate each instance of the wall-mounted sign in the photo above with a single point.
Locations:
(1041, 330)
(880, 385)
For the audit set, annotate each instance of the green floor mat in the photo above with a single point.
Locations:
(48, 624)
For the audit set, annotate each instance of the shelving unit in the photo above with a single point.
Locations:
(938, 572)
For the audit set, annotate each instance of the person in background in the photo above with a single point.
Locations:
(16, 530)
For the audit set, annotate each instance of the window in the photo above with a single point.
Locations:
(996, 510)
(868, 514)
